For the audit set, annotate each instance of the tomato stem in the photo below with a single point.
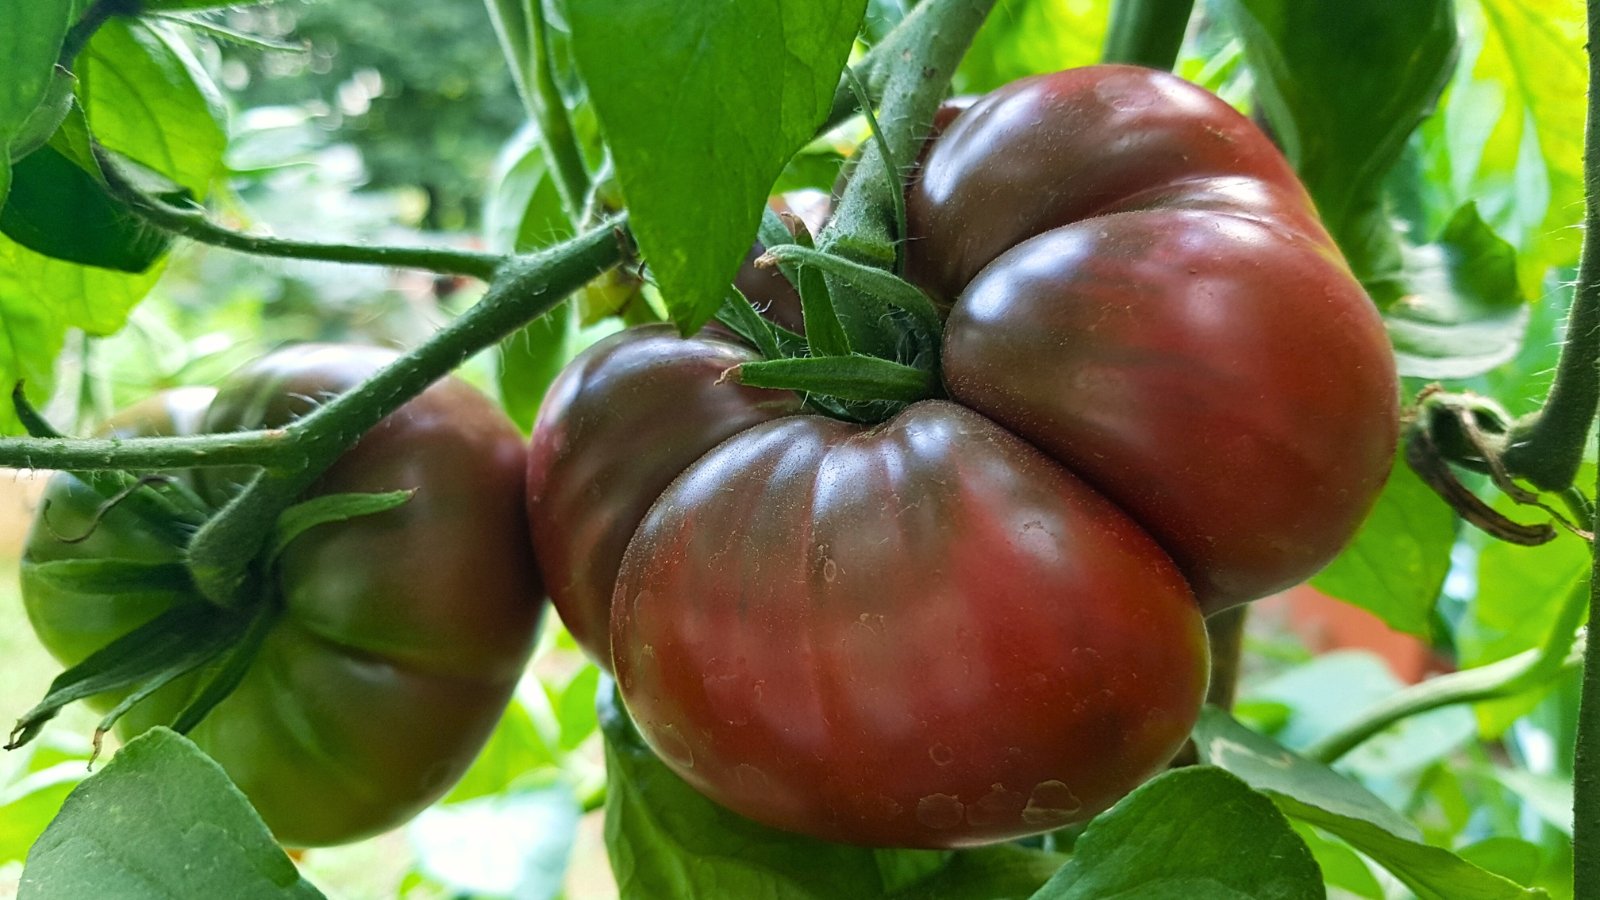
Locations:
(914, 65)
(192, 223)
(1147, 32)
(223, 550)
(1562, 651)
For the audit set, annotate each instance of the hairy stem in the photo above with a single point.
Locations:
(273, 448)
(222, 551)
(96, 15)
(555, 123)
(1147, 32)
(1561, 652)
(193, 224)
(911, 71)
(1547, 447)
(1559, 444)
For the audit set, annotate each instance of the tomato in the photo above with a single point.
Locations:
(983, 618)
(925, 633)
(596, 464)
(1147, 296)
(399, 636)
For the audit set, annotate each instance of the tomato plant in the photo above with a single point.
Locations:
(937, 548)
(395, 638)
(967, 642)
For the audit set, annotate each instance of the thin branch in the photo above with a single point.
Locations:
(222, 551)
(1562, 652)
(193, 224)
(271, 448)
(549, 108)
(1147, 32)
(95, 16)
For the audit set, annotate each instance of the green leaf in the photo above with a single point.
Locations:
(112, 576)
(159, 800)
(667, 842)
(145, 97)
(515, 748)
(1334, 689)
(1520, 593)
(529, 359)
(39, 778)
(1510, 130)
(1000, 872)
(1315, 794)
(1191, 834)
(1342, 867)
(1463, 313)
(575, 708)
(30, 40)
(330, 508)
(735, 90)
(51, 112)
(843, 377)
(149, 99)
(523, 212)
(1029, 37)
(1344, 83)
(1397, 563)
(59, 210)
(155, 5)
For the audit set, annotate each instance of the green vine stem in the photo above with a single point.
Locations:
(555, 123)
(1565, 437)
(273, 448)
(100, 13)
(911, 71)
(222, 551)
(1562, 651)
(1147, 32)
(193, 224)
(1546, 448)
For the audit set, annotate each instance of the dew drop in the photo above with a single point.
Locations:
(941, 755)
(674, 747)
(940, 811)
(1051, 803)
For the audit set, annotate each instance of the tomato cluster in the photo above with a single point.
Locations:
(398, 636)
(982, 618)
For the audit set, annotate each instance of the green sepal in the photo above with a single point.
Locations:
(741, 318)
(329, 508)
(853, 378)
(824, 331)
(178, 641)
(113, 576)
(873, 282)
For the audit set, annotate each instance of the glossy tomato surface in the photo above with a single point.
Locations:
(983, 618)
(1142, 290)
(616, 427)
(401, 634)
(924, 633)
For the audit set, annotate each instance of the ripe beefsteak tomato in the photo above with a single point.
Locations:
(982, 618)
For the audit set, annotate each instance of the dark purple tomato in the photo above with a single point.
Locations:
(925, 633)
(1146, 295)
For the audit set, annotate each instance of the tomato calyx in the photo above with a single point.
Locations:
(828, 365)
(1472, 432)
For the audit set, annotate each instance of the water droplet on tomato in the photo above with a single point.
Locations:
(674, 747)
(1051, 803)
(941, 755)
(940, 811)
